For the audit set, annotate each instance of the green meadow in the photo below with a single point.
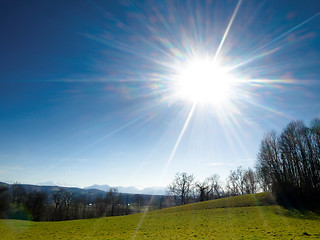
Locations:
(243, 217)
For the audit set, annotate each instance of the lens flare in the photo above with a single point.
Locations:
(203, 81)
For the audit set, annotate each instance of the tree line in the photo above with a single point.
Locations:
(18, 203)
(185, 189)
(289, 164)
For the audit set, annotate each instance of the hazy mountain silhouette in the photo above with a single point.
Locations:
(131, 189)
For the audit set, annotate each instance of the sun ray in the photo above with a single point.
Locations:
(287, 32)
(254, 58)
(173, 152)
(227, 31)
(289, 117)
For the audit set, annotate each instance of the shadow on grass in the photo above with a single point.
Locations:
(305, 214)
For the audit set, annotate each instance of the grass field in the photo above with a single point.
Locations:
(242, 217)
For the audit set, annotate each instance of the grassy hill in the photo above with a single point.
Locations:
(243, 217)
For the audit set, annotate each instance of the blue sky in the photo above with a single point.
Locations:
(87, 88)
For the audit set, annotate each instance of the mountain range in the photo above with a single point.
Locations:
(131, 190)
(128, 194)
(106, 188)
(49, 186)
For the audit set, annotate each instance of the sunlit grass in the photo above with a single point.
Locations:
(232, 218)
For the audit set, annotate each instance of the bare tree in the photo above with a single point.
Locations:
(67, 200)
(4, 200)
(112, 201)
(181, 188)
(202, 189)
(18, 193)
(250, 181)
(62, 201)
(215, 187)
(138, 200)
(35, 203)
(235, 182)
(290, 163)
(100, 206)
(57, 198)
(242, 181)
(210, 188)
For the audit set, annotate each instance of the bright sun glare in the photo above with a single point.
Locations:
(201, 80)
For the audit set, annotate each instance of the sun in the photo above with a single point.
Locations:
(201, 80)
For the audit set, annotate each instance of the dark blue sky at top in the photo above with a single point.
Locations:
(78, 91)
(45, 40)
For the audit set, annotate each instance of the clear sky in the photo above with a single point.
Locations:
(93, 92)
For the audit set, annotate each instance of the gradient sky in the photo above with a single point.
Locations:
(87, 96)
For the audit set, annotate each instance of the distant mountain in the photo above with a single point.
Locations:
(105, 187)
(154, 191)
(49, 183)
(78, 192)
(132, 190)
(92, 192)
(60, 184)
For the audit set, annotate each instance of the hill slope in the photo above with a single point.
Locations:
(244, 217)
